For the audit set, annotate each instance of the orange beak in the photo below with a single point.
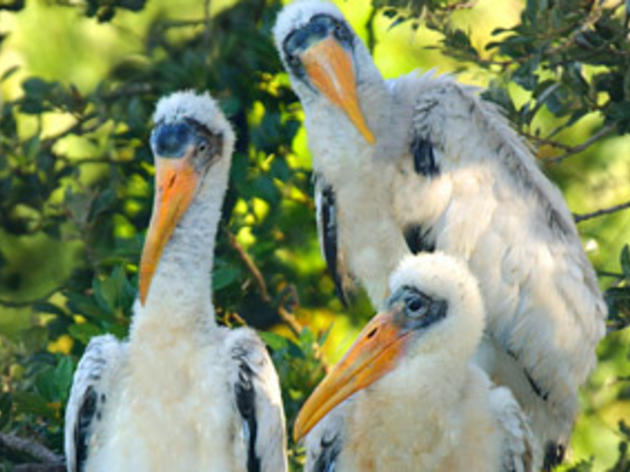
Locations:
(375, 352)
(176, 182)
(330, 69)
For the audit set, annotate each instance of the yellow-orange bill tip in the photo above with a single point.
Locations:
(175, 185)
(374, 353)
(330, 69)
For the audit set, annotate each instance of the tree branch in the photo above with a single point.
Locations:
(285, 314)
(30, 448)
(571, 150)
(603, 211)
(52, 467)
(250, 264)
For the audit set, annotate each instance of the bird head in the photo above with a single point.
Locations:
(435, 308)
(192, 145)
(322, 55)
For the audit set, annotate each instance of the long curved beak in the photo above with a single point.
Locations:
(176, 182)
(375, 352)
(329, 67)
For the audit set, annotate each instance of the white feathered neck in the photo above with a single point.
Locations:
(180, 294)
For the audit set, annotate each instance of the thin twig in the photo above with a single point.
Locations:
(52, 467)
(605, 273)
(602, 211)
(128, 90)
(182, 23)
(237, 318)
(290, 292)
(546, 142)
(250, 264)
(605, 131)
(28, 447)
(286, 315)
(466, 5)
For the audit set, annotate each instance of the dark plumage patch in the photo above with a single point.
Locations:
(86, 413)
(424, 157)
(536, 388)
(328, 214)
(554, 454)
(330, 450)
(417, 239)
(246, 404)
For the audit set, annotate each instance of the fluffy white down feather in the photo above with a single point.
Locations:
(167, 395)
(489, 204)
(436, 411)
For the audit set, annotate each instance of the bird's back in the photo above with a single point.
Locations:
(491, 205)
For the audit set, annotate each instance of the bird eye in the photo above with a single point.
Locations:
(202, 147)
(293, 61)
(416, 306)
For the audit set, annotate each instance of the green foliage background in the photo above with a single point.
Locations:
(78, 82)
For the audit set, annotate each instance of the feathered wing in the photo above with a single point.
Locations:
(328, 234)
(324, 442)
(483, 198)
(88, 398)
(256, 392)
(520, 451)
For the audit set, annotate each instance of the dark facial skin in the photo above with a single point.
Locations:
(417, 310)
(176, 140)
(319, 27)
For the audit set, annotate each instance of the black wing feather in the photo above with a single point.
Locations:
(327, 218)
(87, 410)
(246, 404)
(88, 396)
(424, 157)
(328, 453)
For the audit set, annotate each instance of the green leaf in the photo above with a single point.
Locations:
(324, 335)
(46, 386)
(9, 72)
(525, 75)
(103, 202)
(6, 404)
(274, 341)
(63, 377)
(499, 95)
(264, 188)
(84, 332)
(225, 276)
(85, 306)
(27, 402)
(35, 338)
(53, 384)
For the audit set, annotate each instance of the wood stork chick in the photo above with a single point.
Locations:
(412, 400)
(181, 394)
(420, 163)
